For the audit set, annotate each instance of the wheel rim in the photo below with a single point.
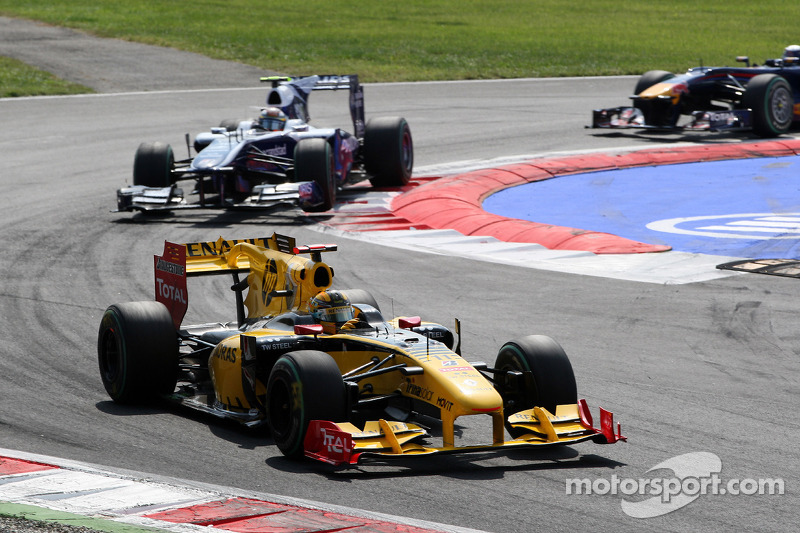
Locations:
(407, 151)
(781, 107)
(516, 400)
(280, 409)
(111, 356)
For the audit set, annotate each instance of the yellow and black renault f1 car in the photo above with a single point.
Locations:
(337, 384)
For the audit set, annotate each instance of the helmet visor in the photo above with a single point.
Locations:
(273, 124)
(336, 314)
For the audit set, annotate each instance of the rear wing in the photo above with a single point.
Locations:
(277, 279)
(291, 95)
(204, 258)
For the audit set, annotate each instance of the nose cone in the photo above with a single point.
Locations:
(474, 395)
(664, 90)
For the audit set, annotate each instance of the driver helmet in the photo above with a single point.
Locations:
(791, 54)
(272, 119)
(331, 306)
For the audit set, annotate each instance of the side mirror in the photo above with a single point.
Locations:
(409, 322)
(307, 329)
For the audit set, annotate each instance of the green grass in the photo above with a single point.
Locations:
(442, 39)
(19, 79)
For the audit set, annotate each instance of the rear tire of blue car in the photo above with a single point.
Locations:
(303, 386)
(548, 379)
(137, 351)
(388, 151)
(770, 98)
(153, 164)
(313, 161)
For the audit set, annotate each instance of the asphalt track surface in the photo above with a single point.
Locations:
(701, 367)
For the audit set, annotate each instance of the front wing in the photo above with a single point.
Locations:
(345, 444)
(632, 117)
(141, 198)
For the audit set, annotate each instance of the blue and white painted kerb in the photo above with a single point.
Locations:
(750, 226)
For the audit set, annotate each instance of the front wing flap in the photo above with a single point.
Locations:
(632, 117)
(141, 198)
(618, 117)
(345, 444)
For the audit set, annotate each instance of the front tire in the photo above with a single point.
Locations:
(313, 161)
(388, 151)
(230, 124)
(650, 78)
(360, 296)
(553, 380)
(770, 98)
(137, 351)
(656, 113)
(153, 164)
(303, 386)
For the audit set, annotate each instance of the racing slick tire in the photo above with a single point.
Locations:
(137, 351)
(230, 124)
(650, 78)
(153, 164)
(388, 151)
(553, 380)
(313, 158)
(772, 103)
(360, 296)
(303, 386)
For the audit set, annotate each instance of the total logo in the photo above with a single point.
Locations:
(750, 226)
(336, 442)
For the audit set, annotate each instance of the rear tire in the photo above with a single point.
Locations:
(137, 351)
(303, 386)
(313, 161)
(153, 164)
(772, 103)
(553, 379)
(388, 151)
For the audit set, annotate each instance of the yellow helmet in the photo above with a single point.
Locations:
(331, 306)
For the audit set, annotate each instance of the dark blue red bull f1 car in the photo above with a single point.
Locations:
(764, 99)
(276, 158)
